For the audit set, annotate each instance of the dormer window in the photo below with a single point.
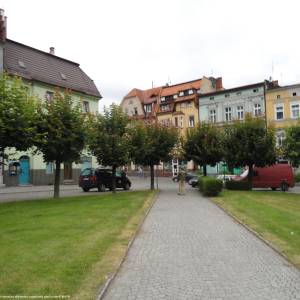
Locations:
(191, 92)
(175, 97)
(163, 98)
(181, 94)
(63, 76)
(21, 64)
(199, 91)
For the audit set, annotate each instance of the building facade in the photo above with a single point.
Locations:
(44, 73)
(283, 109)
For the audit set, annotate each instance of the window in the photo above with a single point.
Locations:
(189, 104)
(257, 109)
(181, 94)
(176, 121)
(21, 64)
(191, 92)
(49, 168)
(165, 107)
(181, 122)
(279, 112)
(175, 97)
(228, 115)
(294, 94)
(280, 136)
(212, 116)
(86, 106)
(211, 98)
(278, 97)
(63, 76)
(49, 96)
(135, 110)
(162, 98)
(227, 95)
(191, 121)
(255, 90)
(183, 105)
(148, 108)
(295, 111)
(240, 112)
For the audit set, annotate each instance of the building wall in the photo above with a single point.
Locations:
(282, 96)
(218, 102)
(128, 106)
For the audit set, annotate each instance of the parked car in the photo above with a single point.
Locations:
(226, 177)
(188, 176)
(193, 182)
(274, 177)
(102, 179)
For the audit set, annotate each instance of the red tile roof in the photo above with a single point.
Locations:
(175, 89)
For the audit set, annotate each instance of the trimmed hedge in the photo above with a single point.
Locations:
(238, 185)
(297, 177)
(210, 186)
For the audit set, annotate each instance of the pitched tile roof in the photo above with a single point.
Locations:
(175, 89)
(33, 64)
(145, 96)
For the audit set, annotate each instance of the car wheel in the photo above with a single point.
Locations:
(126, 187)
(85, 189)
(101, 188)
(284, 187)
(273, 188)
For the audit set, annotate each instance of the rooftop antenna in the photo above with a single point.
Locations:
(169, 80)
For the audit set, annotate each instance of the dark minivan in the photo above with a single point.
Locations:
(102, 179)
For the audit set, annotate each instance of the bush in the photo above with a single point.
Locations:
(297, 177)
(238, 185)
(210, 186)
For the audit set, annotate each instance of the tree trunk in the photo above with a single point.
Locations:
(1, 166)
(204, 170)
(152, 177)
(57, 179)
(250, 175)
(113, 188)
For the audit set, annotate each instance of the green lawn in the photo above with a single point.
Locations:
(274, 215)
(66, 246)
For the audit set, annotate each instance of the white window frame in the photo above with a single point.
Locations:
(291, 109)
(276, 107)
(191, 121)
(148, 108)
(280, 137)
(213, 115)
(181, 94)
(228, 113)
(189, 104)
(163, 99)
(86, 106)
(240, 112)
(191, 92)
(257, 109)
(181, 122)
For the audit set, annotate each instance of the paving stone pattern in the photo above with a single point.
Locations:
(190, 249)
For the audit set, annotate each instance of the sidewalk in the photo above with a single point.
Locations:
(38, 188)
(188, 248)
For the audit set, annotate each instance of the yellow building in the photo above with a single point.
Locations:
(283, 109)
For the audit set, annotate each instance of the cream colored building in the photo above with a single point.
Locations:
(283, 109)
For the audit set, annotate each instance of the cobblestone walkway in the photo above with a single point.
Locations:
(190, 249)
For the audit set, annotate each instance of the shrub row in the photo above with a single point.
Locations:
(210, 186)
(297, 177)
(238, 185)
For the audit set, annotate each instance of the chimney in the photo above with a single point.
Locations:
(2, 26)
(52, 50)
(219, 84)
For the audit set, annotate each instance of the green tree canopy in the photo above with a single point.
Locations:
(151, 144)
(61, 132)
(108, 138)
(291, 144)
(203, 145)
(249, 143)
(17, 114)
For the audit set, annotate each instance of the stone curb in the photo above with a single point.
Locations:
(108, 282)
(255, 234)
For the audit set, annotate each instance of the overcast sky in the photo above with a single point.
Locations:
(132, 43)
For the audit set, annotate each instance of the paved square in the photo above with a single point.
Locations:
(190, 249)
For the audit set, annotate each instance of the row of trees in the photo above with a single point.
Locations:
(60, 132)
(241, 144)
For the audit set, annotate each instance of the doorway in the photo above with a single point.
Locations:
(24, 174)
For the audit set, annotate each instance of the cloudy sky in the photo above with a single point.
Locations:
(132, 43)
